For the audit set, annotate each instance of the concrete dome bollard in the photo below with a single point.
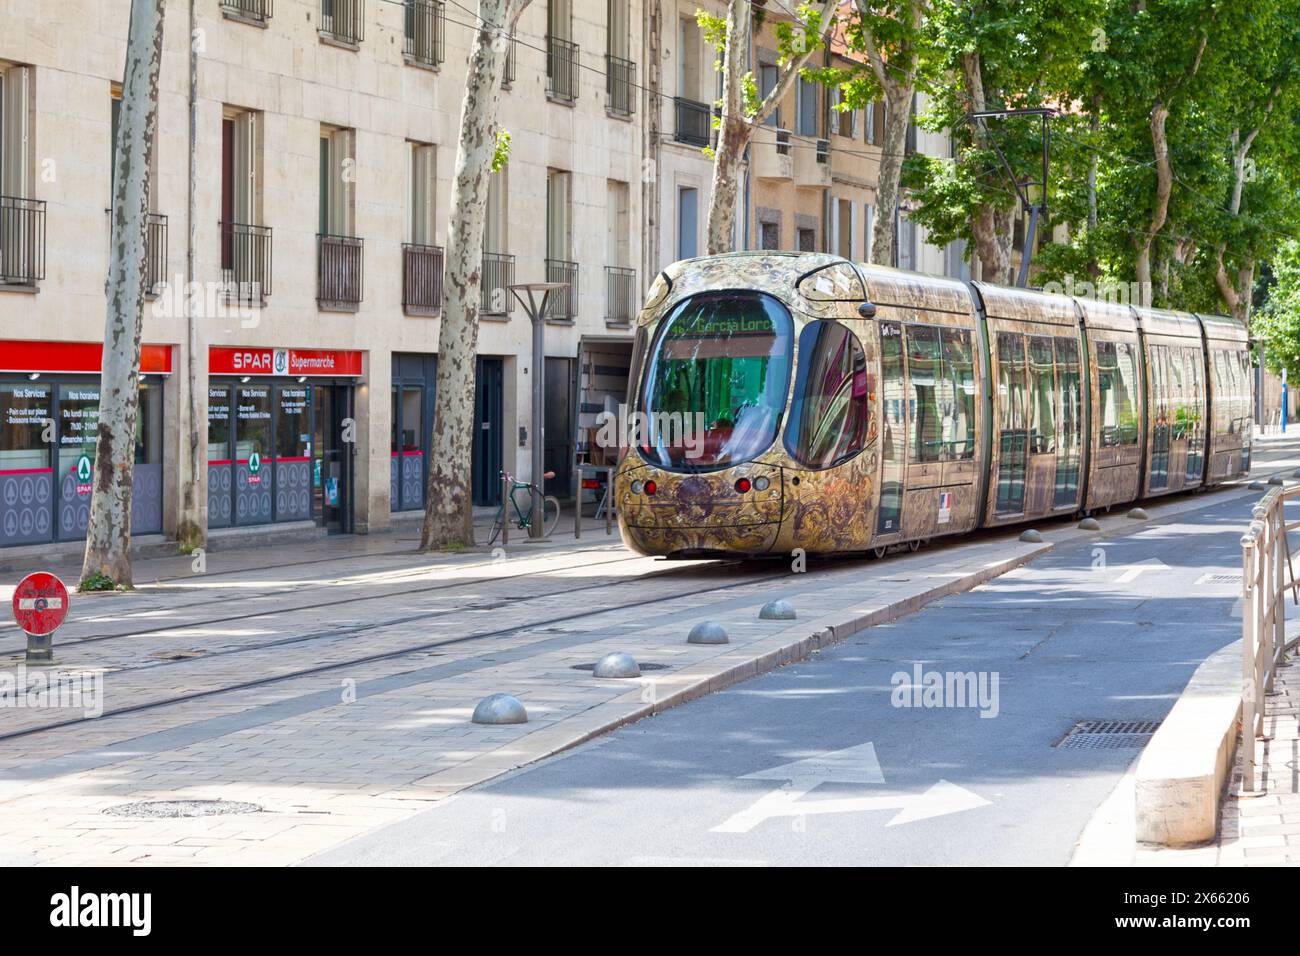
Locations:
(777, 610)
(1138, 514)
(1089, 524)
(500, 709)
(708, 632)
(1031, 537)
(617, 666)
(1276, 480)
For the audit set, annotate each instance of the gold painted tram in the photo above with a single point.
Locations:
(784, 401)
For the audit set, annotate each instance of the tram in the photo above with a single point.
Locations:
(801, 401)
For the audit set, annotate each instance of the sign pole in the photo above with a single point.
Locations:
(40, 649)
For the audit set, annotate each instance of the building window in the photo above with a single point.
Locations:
(620, 71)
(846, 232)
(339, 251)
(807, 117)
(425, 30)
(560, 266)
(807, 239)
(342, 21)
(22, 218)
(422, 260)
(561, 52)
(245, 242)
(769, 236)
(906, 243)
(869, 221)
(768, 74)
(688, 222)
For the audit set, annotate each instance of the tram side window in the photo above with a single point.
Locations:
(924, 381)
(1116, 377)
(959, 414)
(1180, 415)
(1042, 420)
(829, 415)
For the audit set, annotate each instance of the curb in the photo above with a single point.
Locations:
(1182, 772)
(697, 681)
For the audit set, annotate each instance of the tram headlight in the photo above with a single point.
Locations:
(761, 483)
(636, 487)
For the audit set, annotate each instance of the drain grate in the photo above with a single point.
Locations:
(163, 809)
(640, 664)
(1222, 578)
(1108, 735)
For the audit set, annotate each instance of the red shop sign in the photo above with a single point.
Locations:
(17, 355)
(295, 362)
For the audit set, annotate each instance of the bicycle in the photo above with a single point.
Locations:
(524, 519)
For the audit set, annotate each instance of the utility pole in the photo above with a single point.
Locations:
(1038, 209)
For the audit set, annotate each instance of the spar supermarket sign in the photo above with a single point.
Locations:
(273, 361)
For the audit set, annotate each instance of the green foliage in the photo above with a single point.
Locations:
(97, 581)
(501, 153)
(1277, 324)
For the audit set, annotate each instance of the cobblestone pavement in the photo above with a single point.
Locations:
(331, 683)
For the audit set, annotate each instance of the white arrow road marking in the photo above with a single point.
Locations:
(851, 765)
(1133, 570)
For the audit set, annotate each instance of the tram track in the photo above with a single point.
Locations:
(585, 614)
(251, 615)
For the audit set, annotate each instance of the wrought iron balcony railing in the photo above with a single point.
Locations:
(246, 262)
(694, 122)
(620, 85)
(508, 75)
(339, 264)
(620, 292)
(426, 31)
(259, 11)
(22, 241)
(563, 304)
(498, 276)
(343, 20)
(421, 278)
(155, 254)
(561, 69)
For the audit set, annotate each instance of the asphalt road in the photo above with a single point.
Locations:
(1104, 629)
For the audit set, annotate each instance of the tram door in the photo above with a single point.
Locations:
(894, 432)
(1013, 446)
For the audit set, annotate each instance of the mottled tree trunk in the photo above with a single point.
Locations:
(108, 536)
(192, 529)
(898, 113)
(449, 510)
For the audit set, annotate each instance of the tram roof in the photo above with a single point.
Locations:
(1105, 314)
(1223, 328)
(1168, 322)
(1026, 305)
(915, 290)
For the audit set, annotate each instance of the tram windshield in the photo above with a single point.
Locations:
(716, 383)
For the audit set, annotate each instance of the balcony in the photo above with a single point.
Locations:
(343, 21)
(246, 262)
(256, 12)
(339, 266)
(155, 255)
(561, 70)
(620, 86)
(694, 122)
(22, 241)
(563, 304)
(771, 155)
(620, 295)
(421, 279)
(498, 276)
(812, 163)
(426, 32)
(508, 75)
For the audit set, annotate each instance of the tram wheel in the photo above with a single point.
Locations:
(879, 552)
(914, 545)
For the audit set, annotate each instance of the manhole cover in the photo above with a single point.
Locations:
(644, 666)
(1108, 735)
(182, 808)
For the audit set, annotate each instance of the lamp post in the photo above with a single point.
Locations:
(525, 294)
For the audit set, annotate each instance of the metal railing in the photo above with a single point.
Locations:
(823, 150)
(694, 123)
(343, 20)
(620, 289)
(563, 304)
(258, 10)
(561, 69)
(22, 241)
(246, 262)
(339, 266)
(508, 75)
(421, 278)
(155, 254)
(620, 85)
(498, 276)
(1266, 575)
(783, 142)
(426, 31)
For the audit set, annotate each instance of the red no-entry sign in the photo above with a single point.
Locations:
(40, 603)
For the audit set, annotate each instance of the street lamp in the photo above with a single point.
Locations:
(537, 313)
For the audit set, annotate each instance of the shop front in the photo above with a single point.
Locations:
(414, 377)
(49, 415)
(280, 436)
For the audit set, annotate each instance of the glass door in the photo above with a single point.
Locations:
(331, 461)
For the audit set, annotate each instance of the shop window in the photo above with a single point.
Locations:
(253, 474)
(830, 415)
(24, 413)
